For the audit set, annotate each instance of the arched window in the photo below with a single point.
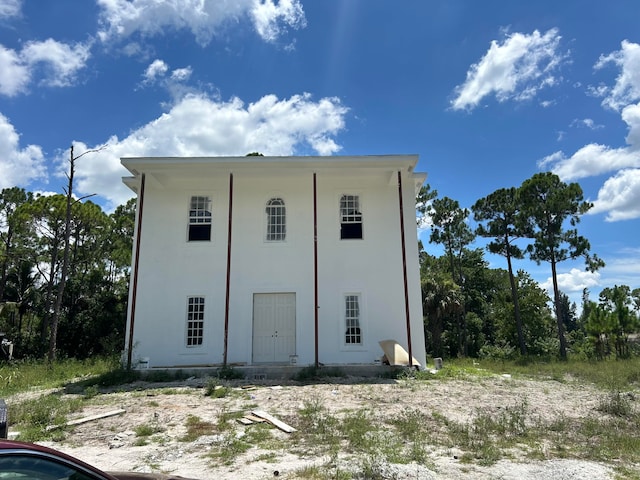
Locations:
(276, 220)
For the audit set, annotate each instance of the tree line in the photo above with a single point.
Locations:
(469, 308)
(473, 310)
(92, 309)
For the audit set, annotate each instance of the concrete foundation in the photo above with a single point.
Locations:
(283, 372)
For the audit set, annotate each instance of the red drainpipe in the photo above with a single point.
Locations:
(315, 265)
(226, 307)
(134, 293)
(404, 269)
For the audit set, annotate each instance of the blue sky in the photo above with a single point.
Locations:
(487, 93)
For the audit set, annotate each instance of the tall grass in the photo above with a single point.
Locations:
(23, 375)
(608, 374)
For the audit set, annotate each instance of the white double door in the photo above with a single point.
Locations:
(274, 327)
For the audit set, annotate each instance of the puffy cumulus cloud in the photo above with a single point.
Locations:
(595, 159)
(60, 60)
(204, 18)
(175, 82)
(59, 63)
(10, 8)
(631, 116)
(590, 160)
(18, 166)
(515, 69)
(181, 74)
(574, 281)
(200, 126)
(269, 17)
(14, 74)
(627, 87)
(619, 197)
(157, 68)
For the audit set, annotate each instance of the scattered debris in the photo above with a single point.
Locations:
(87, 419)
(395, 354)
(254, 419)
(274, 421)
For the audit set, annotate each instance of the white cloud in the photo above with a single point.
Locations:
(200, 126)
(268, 17)
(157, 68)
(590, 160)
(61, 61)
(595, 159)
(10, 8)
(175, 82)
(14, 74)
(620, 196)
(586, 122)
(204, 18)
(181, 74)
(516, 69)
(631, 116)
(18, 167)
(627, 87)
(574, 281)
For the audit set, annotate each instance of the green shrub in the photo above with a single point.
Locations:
(147, 429)
(214, 389)
(616, 403)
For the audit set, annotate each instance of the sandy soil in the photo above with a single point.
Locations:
(111, 443)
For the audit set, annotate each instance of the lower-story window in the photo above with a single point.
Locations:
(353, 331)
(195, 321)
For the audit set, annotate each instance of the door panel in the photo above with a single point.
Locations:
(274, 327)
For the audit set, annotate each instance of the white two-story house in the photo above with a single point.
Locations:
(268, 260)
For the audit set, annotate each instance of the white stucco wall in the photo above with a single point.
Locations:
(171, 269)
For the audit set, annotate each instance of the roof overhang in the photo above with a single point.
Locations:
(161, 168)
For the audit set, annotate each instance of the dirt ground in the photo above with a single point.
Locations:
(112, 444)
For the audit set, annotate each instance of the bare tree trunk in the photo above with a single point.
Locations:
(556, 304)
(53, 338)
(516, 308)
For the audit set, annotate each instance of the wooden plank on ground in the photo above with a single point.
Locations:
(91, 418)
(255, 419)
(273, 420)
(245, 421)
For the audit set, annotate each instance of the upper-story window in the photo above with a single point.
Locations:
(276, 220)
(200, 218)
(350, 217)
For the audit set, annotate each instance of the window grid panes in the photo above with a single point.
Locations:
(200, 218)
(200, 211)
(352, 320)
(195, 321)
(276, 220)
(350, 217)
